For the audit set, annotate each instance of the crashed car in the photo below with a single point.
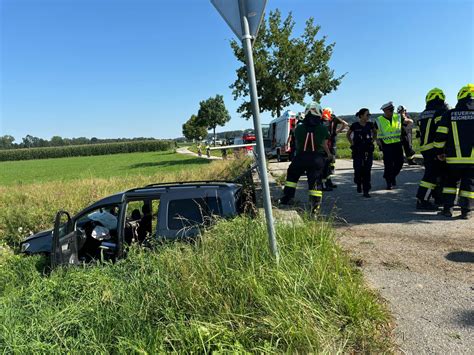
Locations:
(160, 211)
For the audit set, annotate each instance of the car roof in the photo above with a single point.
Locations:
(161, 188)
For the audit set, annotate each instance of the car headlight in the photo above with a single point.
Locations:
(24, 247)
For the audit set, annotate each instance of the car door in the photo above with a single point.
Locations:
(64, 248)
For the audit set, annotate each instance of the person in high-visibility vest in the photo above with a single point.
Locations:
(430, 184)
(389, 130)
(311, 144)
(454, 143)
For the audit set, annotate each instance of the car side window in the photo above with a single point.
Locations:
(190, 212)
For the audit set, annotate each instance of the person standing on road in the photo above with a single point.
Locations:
(311, 143)
(407, 134)
(361, 136)
(430, 184)
(388, 128)
(332, 123)
(291, 141)
(454, 143)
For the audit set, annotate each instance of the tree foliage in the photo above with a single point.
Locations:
(287, 68)
(193, 130)
(212, 113)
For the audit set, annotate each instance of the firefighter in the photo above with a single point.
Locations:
(389, 131)
(361, 136)
(430, 184)
(454, 143)
(332, 122)
(407, 130)
(311, 143)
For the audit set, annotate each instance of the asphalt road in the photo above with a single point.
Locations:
(421, 263)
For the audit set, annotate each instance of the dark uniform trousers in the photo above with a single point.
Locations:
(431, 183)
(312, 164)
(362, 159)
(392, 161)
(329, 164)
(465, 176)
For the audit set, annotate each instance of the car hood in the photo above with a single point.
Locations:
(37, 243)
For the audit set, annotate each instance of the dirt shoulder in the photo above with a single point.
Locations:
(421, 263)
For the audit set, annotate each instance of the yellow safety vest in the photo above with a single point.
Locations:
(389, 132)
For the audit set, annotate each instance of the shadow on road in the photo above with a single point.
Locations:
(385, 206)
(466, 318)
(461, 256)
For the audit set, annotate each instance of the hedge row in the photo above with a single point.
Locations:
(85, 150)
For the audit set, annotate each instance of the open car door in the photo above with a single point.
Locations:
(64, 248)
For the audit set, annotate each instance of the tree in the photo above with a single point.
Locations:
(57, 141)
(192, 130)
(6, 142)
(287, 69)
(212, 113)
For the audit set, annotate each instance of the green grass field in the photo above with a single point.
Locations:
(102, 166)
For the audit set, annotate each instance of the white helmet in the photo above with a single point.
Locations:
(401, 108)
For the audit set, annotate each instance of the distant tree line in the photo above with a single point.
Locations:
(8, 142)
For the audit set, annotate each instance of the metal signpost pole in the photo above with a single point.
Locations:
(262, 166)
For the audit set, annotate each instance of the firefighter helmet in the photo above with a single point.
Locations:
(435, 94)
(466, 91)
(327, 114)
(313, 106)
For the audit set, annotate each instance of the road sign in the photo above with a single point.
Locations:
(244, 18)
(229, 10)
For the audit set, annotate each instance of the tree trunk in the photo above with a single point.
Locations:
(214, 136)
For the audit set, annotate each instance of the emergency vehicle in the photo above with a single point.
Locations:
(278, 134)
(246, 138)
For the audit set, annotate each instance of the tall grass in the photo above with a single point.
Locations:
(223, 294)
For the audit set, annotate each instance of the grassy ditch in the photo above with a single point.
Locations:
(224, 294)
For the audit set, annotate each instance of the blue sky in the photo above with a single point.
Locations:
(125, 68)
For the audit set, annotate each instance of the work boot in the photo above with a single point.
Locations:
(412, 162)
(394, 182)
(359, 188)
(366, 194)
(425, 205)
(285, 200)
(389, 186)
(446, 212)
(326, 187)
(465, 214)
(330, 184)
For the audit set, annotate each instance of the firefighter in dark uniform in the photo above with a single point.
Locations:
(407, 128)
(454, 143)
(430, 184)
(332, 123)
(389, 130)
(311, 143)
